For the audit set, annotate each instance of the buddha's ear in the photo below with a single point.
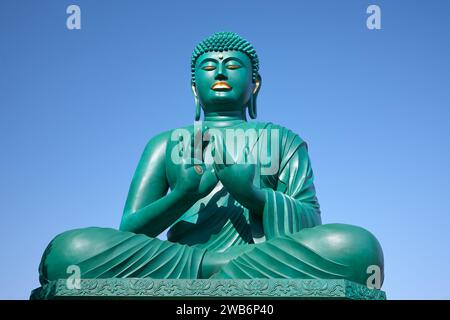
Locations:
(258, 82)
(194, 89)
(198, 108)
(252, 111)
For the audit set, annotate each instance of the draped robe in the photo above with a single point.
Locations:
(286, 240)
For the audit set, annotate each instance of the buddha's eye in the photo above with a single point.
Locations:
(233, 67)
(209, 68)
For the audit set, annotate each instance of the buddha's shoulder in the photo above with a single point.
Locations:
(283, 132)
(167, 136)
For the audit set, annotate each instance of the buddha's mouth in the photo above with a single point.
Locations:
(221, 86)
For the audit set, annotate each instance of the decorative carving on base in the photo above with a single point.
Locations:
(209, 288)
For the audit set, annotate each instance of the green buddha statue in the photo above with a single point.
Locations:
(226, 217)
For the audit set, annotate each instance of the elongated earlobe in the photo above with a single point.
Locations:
(252, 107)
(198, 107)
(252, 110)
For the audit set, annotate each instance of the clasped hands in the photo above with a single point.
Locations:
(196, 178)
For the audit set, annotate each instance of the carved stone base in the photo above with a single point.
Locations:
(208, 289)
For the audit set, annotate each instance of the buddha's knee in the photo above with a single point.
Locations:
(71, 248)
(350, 246)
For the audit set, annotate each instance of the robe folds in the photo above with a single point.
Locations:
(286, 240)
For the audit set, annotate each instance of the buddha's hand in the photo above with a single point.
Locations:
(236, 173)
(193, 179)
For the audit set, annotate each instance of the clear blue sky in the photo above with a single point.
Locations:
(77, 107)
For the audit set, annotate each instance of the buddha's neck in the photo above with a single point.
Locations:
(225, 118)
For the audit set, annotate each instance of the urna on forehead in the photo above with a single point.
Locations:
(224, 42)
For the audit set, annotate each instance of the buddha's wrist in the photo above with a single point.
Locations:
(183, 197)
(259, 199)
(253, 199)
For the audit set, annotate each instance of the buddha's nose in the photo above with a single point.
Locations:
(221, 75)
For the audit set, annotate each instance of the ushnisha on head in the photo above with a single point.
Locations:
(225, 76)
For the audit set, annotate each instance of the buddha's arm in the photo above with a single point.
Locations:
(149, 209)
(293, 205)
(290, 204)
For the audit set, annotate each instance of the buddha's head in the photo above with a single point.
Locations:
(225, 75)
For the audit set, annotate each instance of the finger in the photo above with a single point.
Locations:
(218, 167)
(217, 152)
(217, 163)
(251, 156)
(196, 146)
(229, 159)
(180, 146)
(246, 155)
(200, 141)
(206, 137)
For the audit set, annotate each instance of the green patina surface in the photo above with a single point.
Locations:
(226, 221)
(173, 289)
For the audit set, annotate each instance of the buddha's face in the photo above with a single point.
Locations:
(223, 81)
